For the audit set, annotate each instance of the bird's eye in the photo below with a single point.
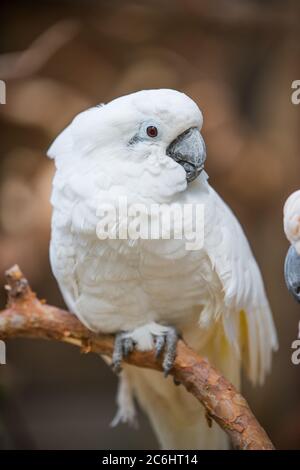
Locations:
(152, 131)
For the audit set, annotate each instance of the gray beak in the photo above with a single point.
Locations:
(188, 149)
(292, 272)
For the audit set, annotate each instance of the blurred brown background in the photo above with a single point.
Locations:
(237, 59)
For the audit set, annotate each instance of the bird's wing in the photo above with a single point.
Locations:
(62, 254)
(247, 317)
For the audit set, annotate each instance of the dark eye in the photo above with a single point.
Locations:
(152, 131)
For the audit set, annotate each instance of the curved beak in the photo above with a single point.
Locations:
(292, 272)
(188, 149)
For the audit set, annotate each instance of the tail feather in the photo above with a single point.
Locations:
(177, 418)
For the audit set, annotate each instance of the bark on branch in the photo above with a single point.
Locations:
(27, 316)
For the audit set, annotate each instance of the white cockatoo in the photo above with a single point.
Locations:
(291, 223)
(147, 147)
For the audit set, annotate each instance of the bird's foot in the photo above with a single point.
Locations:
(124, 345)
(161, 338)
(167, 342)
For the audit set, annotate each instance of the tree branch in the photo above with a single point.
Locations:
(27, 316)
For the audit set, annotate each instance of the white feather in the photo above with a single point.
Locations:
(243, 288)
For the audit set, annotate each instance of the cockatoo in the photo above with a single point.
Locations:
(291, 222)
(147, 147)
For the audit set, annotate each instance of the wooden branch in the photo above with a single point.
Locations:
(27, 316)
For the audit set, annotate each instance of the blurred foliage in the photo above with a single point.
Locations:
(237, 60)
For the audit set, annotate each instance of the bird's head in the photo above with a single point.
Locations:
(151, 137)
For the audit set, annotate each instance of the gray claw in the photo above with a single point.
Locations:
(176, 382)
(128, 346)
(117, 354)
(170, 353)
(159, 345)
(123, 347)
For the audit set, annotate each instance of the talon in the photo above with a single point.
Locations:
(170, 354)
(124, 345)
(176, 382)
(128, 346)
(117, 354)
(159, 345)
